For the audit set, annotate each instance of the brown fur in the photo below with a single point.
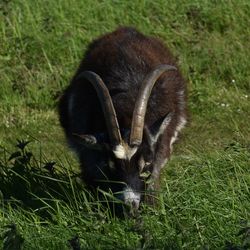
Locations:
(122, 59)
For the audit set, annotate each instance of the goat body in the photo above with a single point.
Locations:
(123, 60)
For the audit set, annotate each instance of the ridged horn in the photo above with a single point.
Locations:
(142, 101)
(106, 104)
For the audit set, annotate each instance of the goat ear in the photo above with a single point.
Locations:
(156, 130)
(90, 141)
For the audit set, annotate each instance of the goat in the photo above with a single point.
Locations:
(122, 112)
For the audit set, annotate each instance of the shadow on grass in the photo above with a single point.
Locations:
(39, 185)
(33, 184)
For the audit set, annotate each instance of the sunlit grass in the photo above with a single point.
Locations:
(204, 198)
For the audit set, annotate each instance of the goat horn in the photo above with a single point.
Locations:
(106, 104)
(142, 101)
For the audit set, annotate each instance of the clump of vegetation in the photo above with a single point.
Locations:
(30, 181)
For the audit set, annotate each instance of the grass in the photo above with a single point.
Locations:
(204, 200)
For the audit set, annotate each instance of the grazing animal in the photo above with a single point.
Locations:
(122, 112)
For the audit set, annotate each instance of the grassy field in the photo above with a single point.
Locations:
(204, 200)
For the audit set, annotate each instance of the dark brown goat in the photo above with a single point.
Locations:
(121, 130)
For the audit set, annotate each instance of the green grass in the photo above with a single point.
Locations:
(204, 199)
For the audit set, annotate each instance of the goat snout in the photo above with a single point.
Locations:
(131, 198)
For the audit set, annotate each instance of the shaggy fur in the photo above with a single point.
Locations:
(122, 59)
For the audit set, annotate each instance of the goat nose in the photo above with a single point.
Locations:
(132, 198)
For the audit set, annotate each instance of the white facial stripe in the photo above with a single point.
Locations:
(120, 152)
(131, 197)
(124, 153)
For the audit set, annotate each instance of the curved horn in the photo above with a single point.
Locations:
(142, 101)
(106, 104)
